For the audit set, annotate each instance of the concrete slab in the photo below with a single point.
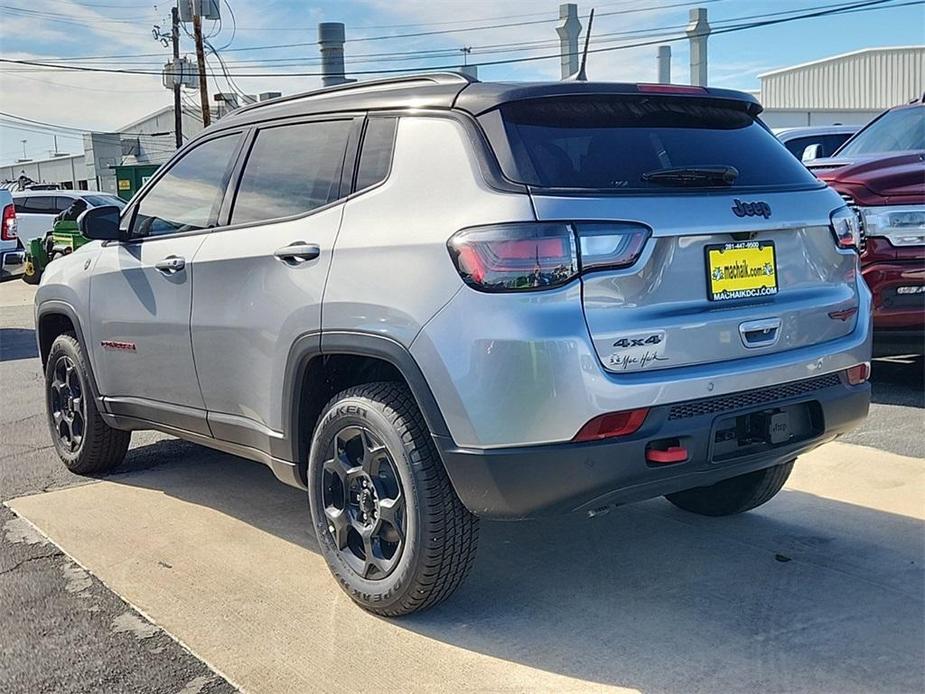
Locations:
(820, 590)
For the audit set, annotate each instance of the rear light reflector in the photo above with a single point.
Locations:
(858, 374)
(8, 223)
(667, 455)
(612, 424)
(670, 89)
(529, 256)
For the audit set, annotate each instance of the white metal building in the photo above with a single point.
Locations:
(851, 88)
(149, 140)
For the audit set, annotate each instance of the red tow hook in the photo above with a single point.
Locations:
(667, 456)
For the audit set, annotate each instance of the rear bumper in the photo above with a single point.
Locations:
(511, 483)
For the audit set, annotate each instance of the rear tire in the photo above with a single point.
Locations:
(31, 274)
(390, 526)
(735, 495)
(83, 441)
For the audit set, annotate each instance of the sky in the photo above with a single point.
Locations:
(118, 34)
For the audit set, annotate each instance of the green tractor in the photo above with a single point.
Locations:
(63, 239)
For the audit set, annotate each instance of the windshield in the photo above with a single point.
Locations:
(621, 143)
(899, 130)
(101, 200)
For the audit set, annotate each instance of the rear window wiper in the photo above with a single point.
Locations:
(694, 175)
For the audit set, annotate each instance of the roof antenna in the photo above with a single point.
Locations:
(581, 76)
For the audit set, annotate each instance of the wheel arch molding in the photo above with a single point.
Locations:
(47, 330)
(302, 397)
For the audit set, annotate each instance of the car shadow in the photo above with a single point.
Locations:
(898, 380)
(17, 343)
(806, 593)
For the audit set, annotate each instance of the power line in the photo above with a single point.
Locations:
(845, 8)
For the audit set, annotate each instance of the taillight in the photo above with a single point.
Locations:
(8, 224)
(858, 373)
(530, 256)
(612, 424)
(846, 228)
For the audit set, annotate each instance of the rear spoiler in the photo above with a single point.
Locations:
(478, 97)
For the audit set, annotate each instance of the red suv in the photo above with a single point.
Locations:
(881, 173)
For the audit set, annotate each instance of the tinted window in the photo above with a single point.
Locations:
(189, 195)
(291, 169)
(799, 144)
(609, 142)
(61, 204)
(37, 204)
(376, 154)
(895, 131)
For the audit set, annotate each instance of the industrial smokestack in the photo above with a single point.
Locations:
(697, 32)
(664, 64)
(331, 36)
(568, 31)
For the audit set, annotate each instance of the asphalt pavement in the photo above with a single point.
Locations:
(192, 571)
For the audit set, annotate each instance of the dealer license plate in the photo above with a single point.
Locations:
(741, 270)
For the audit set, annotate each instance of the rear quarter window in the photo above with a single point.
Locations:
(609, 142)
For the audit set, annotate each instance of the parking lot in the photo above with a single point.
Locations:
(190, 570)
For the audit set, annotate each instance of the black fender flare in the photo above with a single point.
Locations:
(354, 343)
(58, 306)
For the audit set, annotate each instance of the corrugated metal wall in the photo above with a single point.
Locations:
(874, 79)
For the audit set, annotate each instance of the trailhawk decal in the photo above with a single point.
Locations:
(116, 344)
(638, 351)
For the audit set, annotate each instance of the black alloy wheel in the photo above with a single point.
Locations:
(68, 404)
(363, 503)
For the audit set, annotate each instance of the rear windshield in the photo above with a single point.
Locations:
(609, 142)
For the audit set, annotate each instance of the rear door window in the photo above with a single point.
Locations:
(292, 169)
(376, 152)
(37, 204)
(608, 142)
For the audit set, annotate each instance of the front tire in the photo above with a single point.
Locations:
(735, 495)
(83, 441)
(390, 526)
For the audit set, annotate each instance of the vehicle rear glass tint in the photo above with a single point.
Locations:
(609, 142)
(376, 155)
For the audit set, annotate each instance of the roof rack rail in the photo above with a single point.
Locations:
(445, 77)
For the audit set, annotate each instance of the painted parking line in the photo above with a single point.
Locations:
(819, 590)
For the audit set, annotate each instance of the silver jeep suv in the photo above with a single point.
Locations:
(427, 300)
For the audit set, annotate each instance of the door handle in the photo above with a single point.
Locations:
(298, 252)
(170, 265)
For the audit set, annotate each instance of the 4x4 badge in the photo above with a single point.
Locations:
(751, 209)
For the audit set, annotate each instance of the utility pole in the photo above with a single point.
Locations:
(177, 112)
(201, 59)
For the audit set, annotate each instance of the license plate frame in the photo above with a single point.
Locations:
(756, 260)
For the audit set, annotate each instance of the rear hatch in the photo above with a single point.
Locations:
(740, 259)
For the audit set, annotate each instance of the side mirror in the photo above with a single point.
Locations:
(101, 223)
(811, 152)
